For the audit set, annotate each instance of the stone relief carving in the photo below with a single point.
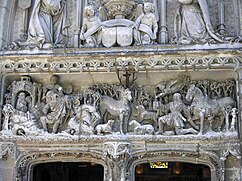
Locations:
(203, 107)
(141, 129)
(117, 23)
(48, 25)
(192, 23)
(180, 107)
(146, 26)
(7, 148)
(91, 28)
(120, 23)
(175, 117)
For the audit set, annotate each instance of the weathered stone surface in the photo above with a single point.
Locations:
(114, 102)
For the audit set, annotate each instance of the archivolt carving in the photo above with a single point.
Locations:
(208, 158)
(24, 162)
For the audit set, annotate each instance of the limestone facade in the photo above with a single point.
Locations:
(120, 83)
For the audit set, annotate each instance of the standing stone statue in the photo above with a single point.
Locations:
(91, 27)
(192, 23)
(48, 25)
(146, 25)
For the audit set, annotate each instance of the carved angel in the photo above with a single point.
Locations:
(146, 26)
(91, 27)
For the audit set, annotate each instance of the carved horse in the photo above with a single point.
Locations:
(117, 108)
(204, 107)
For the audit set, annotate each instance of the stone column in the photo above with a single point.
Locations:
(79, 17)
(221, 10)
(24, 5)
(240, 19)
(117, 155)
(237, 5)
(163, 33)
(5, 23)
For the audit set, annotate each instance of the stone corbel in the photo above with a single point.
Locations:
(117, 155)
(7, 148)
(230, 151)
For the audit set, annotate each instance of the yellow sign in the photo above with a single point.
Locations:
(159, 165)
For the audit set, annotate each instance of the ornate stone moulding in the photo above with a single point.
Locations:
(140, 50)
(25, 162)
(210, 159)
(108, 64)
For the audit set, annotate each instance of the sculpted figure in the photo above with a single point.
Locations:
(118, 108)
(192, 23)
(204, 108)
(105, 128)
(54, 86)
(21, 103)
(141, 129)
(172, 86)
(55, 110)
(175, 117)
(48, 24)
(91, 27)
(85, 120)
(146, 25)
(144, 115)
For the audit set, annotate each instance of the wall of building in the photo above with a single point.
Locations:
(153, 65)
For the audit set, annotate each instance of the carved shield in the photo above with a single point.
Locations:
(124, 36)
(109, 36)
(24, 4)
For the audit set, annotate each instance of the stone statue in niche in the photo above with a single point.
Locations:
(48, 25)
(146, 26)
(91, 28)
(192, 23)
(175, 117)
